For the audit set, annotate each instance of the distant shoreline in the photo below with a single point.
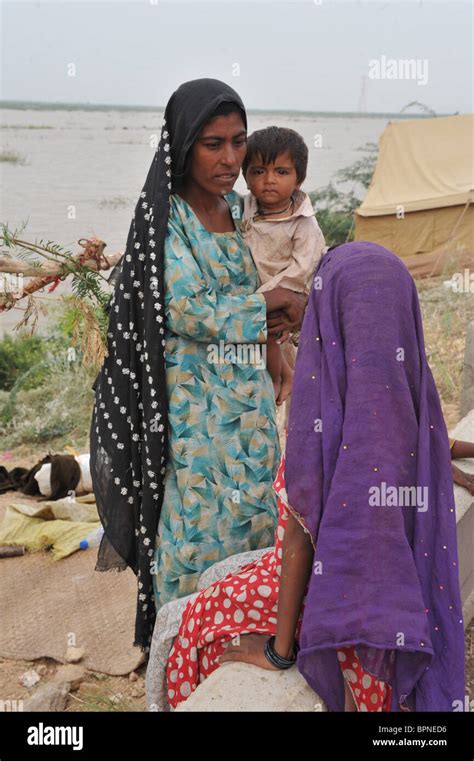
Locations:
(40, 106)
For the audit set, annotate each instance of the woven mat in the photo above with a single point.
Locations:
(46, 602)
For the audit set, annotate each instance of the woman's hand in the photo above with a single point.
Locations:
(285, 310)
(250, 650)
(295, 309)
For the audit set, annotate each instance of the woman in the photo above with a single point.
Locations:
(381, 627)
(184, 449)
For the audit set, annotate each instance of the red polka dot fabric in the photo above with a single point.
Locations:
(369, 693)
(246, 603)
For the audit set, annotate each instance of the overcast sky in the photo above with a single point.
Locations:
(309, 55)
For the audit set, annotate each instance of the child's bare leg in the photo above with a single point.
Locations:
(274, 363)
(286, 380)
(349, 704)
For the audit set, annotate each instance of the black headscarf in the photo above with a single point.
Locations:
(129, 436)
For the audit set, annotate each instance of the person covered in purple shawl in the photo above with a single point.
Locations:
(370, 491)
(361, 589)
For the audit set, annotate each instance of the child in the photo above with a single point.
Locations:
(279, 226)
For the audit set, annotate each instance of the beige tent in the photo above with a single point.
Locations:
(419, 203)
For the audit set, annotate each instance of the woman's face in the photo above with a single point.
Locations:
(217, 154)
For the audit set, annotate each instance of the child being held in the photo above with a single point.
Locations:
(279, 226)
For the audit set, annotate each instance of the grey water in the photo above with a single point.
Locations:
(84, 167)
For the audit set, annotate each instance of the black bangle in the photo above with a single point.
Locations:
(277, 660)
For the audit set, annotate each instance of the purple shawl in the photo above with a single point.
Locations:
(365, 425)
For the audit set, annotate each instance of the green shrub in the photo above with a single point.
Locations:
(60, 407)
(336, 203)
(17, 356)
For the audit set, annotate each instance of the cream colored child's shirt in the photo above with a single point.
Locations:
(285, 251)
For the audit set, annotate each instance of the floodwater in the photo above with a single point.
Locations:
(84, 171)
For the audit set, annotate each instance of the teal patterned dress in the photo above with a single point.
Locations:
(223, 444)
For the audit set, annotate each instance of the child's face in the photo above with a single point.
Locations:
(273, 184)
